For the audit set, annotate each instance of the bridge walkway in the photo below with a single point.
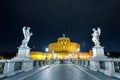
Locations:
(61, 72)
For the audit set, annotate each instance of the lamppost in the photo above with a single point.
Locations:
(78, 53)
(78, 56)
(46, 55)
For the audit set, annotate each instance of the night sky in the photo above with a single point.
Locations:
(49, 19)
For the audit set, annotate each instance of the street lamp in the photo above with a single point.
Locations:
(78, 53)
(46, 54)
(78, 49)
(46, 49)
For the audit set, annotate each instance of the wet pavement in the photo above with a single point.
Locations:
(68, 72)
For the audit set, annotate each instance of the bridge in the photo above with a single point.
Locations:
(46, 70)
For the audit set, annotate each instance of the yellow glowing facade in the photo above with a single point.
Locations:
(62, 49)
(86, 55)
(64, 45)
(38, 55)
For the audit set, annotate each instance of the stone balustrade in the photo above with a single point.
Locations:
(12, 67)
(110, 67)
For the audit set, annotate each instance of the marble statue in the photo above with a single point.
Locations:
(27, 35)
(95, 38)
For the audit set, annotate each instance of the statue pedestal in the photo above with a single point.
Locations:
(24, 57)
(98, 53)
(23, 52)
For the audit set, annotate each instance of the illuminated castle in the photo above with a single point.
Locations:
(62, 49)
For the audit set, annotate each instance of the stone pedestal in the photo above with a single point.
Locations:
(23, 52)
(98, 53)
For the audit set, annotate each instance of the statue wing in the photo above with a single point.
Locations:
(24, 32)
(99, 31)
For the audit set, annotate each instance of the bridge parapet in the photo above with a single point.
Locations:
(12, 67)
(110, 66)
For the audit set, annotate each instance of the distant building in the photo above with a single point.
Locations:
(62, 49)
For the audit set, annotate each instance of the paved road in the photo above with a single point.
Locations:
(66, 72)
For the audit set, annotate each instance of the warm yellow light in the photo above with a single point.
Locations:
(63, 48)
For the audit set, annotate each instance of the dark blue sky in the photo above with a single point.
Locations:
(49, 19)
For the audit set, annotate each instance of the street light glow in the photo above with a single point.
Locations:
(46, 49)
(78, 49)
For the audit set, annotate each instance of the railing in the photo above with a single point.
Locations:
(11, 67)
(108, 66)
(117, 67)
(2, 68)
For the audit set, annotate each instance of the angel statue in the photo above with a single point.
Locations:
(27, 35)
(96, 35)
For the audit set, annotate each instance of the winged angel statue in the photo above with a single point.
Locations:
(27, 35)
(96, 34)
